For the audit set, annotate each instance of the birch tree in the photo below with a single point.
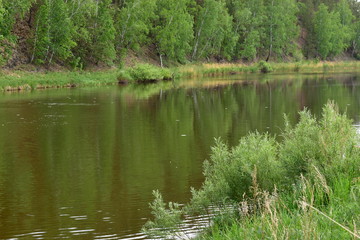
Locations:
(281, 30)
(173, 30)
(53, 32)
(330, 34)
(248, 20)
(214, 35)
(134, 22)
(104, 34)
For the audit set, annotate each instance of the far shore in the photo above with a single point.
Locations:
(18, 80)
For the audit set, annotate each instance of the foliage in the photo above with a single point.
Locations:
(145, 73)
(166, 216)
(174, 29)
(79, 33)
(284, 188)
(331, 36)
(134, 24)
(104, 34)
(53, 33)
(265, 67)
(213, 31)
(281, 28)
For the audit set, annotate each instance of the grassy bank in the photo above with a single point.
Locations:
(212, 69)
(145, 73)
(21, 80)
(305, 187)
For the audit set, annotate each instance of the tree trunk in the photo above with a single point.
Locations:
(271, 32)
(198, 36)
(161, 61)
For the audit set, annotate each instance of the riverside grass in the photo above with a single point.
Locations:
(306, 186)
(144, 73)
(22, 80)
(214, 69)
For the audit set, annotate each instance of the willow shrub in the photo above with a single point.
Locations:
(317, 162)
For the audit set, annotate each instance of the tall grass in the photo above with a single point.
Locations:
(305, 187)
(214, 69)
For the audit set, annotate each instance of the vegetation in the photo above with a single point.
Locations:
(304, 187)
(15, 81)
(80, 33)
(265, 67)
(143, 73)
(203, 70)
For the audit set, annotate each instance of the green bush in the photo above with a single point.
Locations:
(145, 73)
(265, 67)
(276, 189)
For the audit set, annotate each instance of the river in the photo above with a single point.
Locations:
(82, 163)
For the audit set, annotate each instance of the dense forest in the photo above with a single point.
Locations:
(80, 33)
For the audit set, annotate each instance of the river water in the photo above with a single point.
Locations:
(82, 163)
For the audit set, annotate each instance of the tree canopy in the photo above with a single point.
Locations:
(84, 32)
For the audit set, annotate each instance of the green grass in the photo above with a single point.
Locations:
(305, 187)
(20, 80)
(213, 69)
(144, 73)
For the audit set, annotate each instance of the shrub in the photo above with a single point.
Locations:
(124, 76)
(297, 67)
(263, 182)
(265, 67)
(147, 72)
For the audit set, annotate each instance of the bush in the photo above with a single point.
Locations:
(265, 67)
(142, 73)
(270, 184)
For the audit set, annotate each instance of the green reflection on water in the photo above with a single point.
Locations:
(88, 159)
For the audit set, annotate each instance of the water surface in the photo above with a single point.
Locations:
(82, 163)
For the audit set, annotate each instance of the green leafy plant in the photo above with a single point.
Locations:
(265, 67)
(300, 187)
(145, 73)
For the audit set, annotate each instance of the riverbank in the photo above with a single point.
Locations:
(23, 80)
(26, 80)
(214, 69)
(305, 187)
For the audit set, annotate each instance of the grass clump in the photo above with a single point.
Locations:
(304, 187)
(145, 73)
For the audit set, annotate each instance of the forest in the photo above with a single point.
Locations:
(85, 33)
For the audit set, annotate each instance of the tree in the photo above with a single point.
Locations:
(281, 28)
(173, 30)
(330, 34)
(134, 22)
(346, 21)
(306, 20)
(248, 24)
(53, 32)
(82, 14)
(104, 34)
(214, 35)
